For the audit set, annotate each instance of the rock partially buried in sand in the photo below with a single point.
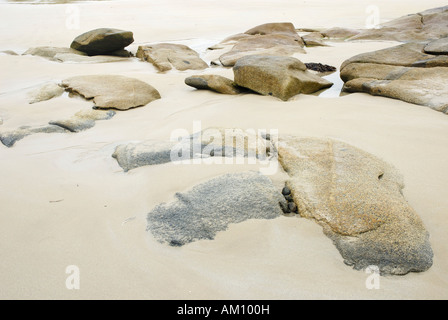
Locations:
(358, 200)
(281, 77)
(102, 41)
(45, 92)
(165, 56)
(112, 91)
(404, 72)
(210, 207)
(210, 142)
(213, 83)
(84, 120)
(135, 155)
(9, 138)
(70, 55)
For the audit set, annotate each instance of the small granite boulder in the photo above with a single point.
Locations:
(112, 91)
(102, 41)
(213, 83)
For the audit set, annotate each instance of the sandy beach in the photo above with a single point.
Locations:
(65, 201)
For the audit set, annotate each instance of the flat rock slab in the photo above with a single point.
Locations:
(61, 54)
(427, 25)
(112, 91)
(403, 72)
(210, 142)
(357, 199)
(439, 46)
(210, 207)
(102, 41)
(214, 83)
(281, 77)
(166, 56)
(405, 55)
(9, 138)
(83, 120)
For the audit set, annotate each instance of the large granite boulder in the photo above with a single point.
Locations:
(102, 41)
(210, 207)
(281, 77)
(112, 91)
(357, 199)
(404, 72)
(214, 83)
(165, 56)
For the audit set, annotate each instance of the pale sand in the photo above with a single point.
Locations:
(65, 201)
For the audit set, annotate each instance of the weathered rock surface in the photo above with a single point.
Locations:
(46, 92)
(423, 26)
(83, 120)
(406, 55)
(281, 77)
(9, 138)
(165, 56)
(134, 155)
(403, 72)
(61, 54)
(283, 28)
(439, 46)
(275, 44)
(215, 83)
(267, 39)
(314, 39)
(210, 207)
(102, 41)
(427, 25)
(112, 91)
(358, 200)
(340, 33)
(210, 142)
